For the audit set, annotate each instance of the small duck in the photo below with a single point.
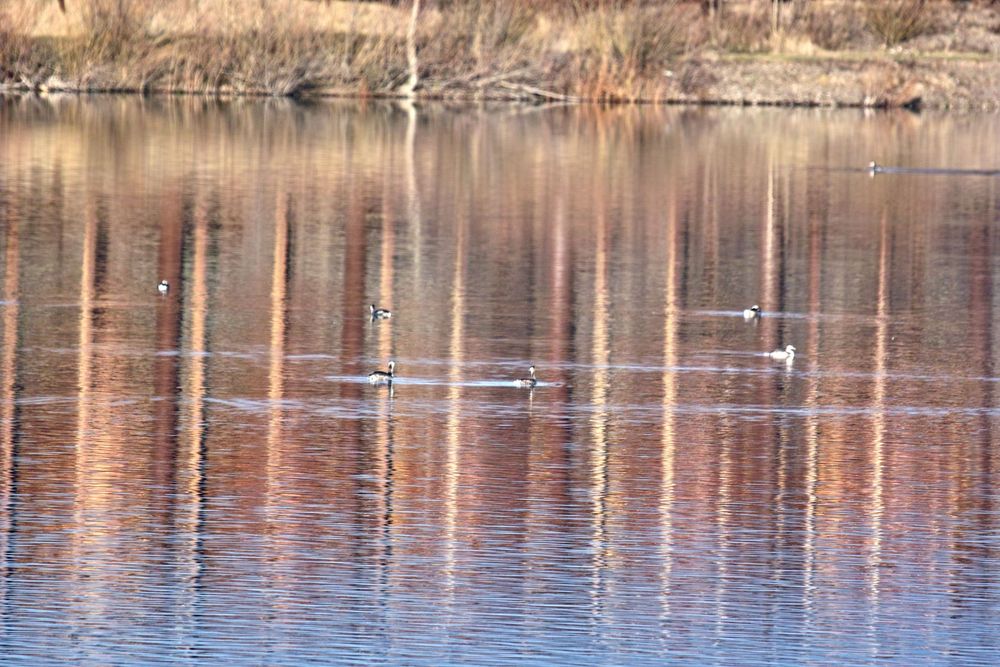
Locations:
(379, 313)
(874, 168)
(527, 382)
(752, 313)
(382, 377)
(163, 287)
(784, 355)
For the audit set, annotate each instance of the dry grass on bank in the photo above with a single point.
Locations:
(279, 47)
(601, 50)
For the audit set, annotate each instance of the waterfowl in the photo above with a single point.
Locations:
(163, 287)
(527, 382)
(383, 377)
(784, 355)
(873, 167)
(751, 313)
(379, 313)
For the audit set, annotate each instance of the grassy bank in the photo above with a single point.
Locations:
(825, 52)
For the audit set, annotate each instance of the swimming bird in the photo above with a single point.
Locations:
(379, 313)
(382, 377)
(527, 382)
(873, 167)
(163, 287)
(784, 355)
(752, 313)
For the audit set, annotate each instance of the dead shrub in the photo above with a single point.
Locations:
(896, 21)
(266, 62)
(114, 27)
(636, 37)
(832, 28)
(621, 52)
(19, 62)
(747, 30)
(476, 35)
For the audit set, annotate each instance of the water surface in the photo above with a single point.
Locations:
(206, 476)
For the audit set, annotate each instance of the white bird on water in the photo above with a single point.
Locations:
(527, 382)
(784, 355)
(752, 313)
(379, 313)
(383, 377)
(163, 287)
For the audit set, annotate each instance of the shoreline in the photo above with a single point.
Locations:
(514, 52)
(964, 85)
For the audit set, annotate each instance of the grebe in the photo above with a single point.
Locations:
(381, 377)
(784, 355)
(379, 313)
(163, 287)
(751, 313)
(527, 382)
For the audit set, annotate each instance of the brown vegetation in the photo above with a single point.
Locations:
(606, 50)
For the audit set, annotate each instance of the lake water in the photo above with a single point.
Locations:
(206, 477)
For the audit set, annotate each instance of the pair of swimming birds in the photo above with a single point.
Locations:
(386, 377)
(753, 313)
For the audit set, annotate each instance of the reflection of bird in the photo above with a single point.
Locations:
(379, 313)
(784, 355)
(163, 287)
(528, 381)
(873, 167)
(751, 313)
(382, 377)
